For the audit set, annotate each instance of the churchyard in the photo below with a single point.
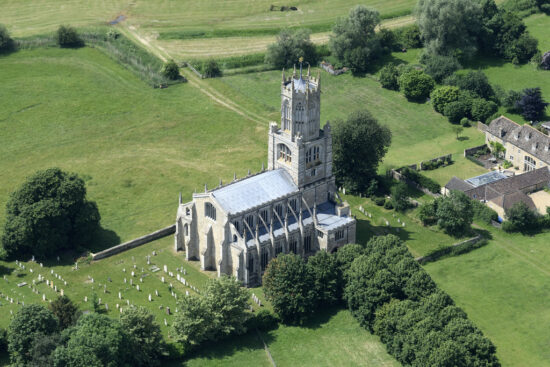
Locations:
(137, 156)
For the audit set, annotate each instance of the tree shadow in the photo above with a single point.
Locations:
(365, 231)
(483, 62)
(4, 270)
(463, 138)
(321, 316)
(103, 239)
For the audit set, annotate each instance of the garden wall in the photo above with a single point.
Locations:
(161, 233)
(456, 249)
(471, 151)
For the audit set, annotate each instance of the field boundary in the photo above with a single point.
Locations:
(161, 233)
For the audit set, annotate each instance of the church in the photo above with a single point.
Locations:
(292, 207)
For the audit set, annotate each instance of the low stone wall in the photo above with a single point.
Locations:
(447, 250)
(447, 157)
(330, 69)
(161, 233)
(399, 177)
(471, 151)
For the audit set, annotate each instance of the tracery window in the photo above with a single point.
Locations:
(210, 211)
(284, 153)
(312, 154)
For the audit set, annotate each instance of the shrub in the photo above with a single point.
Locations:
(289, 47)
(483, 109)
(520, 218)
(465, 122)
(67, 36)
(410, 36)
(442, 96)
(421, 180)
(388, 205)
(399, 197)
(211, 69)
(372, 189)
(545, 60)
(531, 104)
(65, 310)
(524, 48)
(439, 66)
(6, 43)
(455, 111)
(483, 213)
(49, 213)
(171, 70)
(379, 201)
(475, 82)
(416, 85)
(389, 77)
(427, 214)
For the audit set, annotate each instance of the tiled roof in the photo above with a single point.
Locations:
(255, 191)
(509, 200)
(457, 184)
(524, 137)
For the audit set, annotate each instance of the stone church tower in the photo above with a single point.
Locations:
(300, 146)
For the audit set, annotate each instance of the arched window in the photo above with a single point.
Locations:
(264, 259)
(293, 244)
(284, 153)
(312, 154)
(279, 210)
(187, 211)
(285, 116)
(186, 230)
(292, 204)
(299, 114)
(210, 211)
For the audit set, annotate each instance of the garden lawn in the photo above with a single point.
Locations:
(504, 288)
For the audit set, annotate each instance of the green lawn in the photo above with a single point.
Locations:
(504, 288)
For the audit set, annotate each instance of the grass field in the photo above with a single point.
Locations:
(504, 289)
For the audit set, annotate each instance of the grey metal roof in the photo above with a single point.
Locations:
(255, 191)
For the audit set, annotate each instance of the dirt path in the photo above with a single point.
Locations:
(194, 80)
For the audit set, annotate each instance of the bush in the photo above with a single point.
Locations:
(483, 109)
(520, 218)
(171, 70)
(67, 36)
(475, 82)
(388, 205)
(427, 214)
(399, 197)
(523, 49)
(438, 66)
(465, 122)
(421, 180)
(389, 77)
(379, 201)
(545, 60)
(49, 213)
(289, 47)
(410, 36)
(531, 104)
(483, 213)
(442, 96)
(6, 43)
(211, 69)
(455, 111)
(416, 85)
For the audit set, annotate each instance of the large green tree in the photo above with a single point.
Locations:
(145, 335)
(455, 213)
(96, 340)
(289, 286)
(219, 312)
(324, 269)
(354, 41)
(416, 85)
(449, 27)
(49, 212)
(358, 146)
(289, 47)
(31, 322)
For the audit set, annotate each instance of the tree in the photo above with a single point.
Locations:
(171, 70)
(30, 323)
(457, 129)
(531, 104)
(439, 66)
(65, 310)
(289, 286)
(455, 213)
(353, 40)
(442, 96)
(211, 69)
(6, 43)
(416, 85)
(523, 49)
(324, 269)
(96, 340)
(520, 218)
(49, 212)
(359, 144)
(448, 27)
(42, 349)
(289, 47)
(389, 77)
(475, 82)
(145, 336)
(483, 109)
(455, 111)
(220, 312)
(427, 213)
(400, 196)
(410, 36)
(67, 36)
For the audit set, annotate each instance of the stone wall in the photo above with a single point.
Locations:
(459, 248)
(330, 69)
(135, 243)
(447, 157)
(471, 151)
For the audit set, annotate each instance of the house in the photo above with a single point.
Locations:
(292, 207)
(501, 192)
(526, 147)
